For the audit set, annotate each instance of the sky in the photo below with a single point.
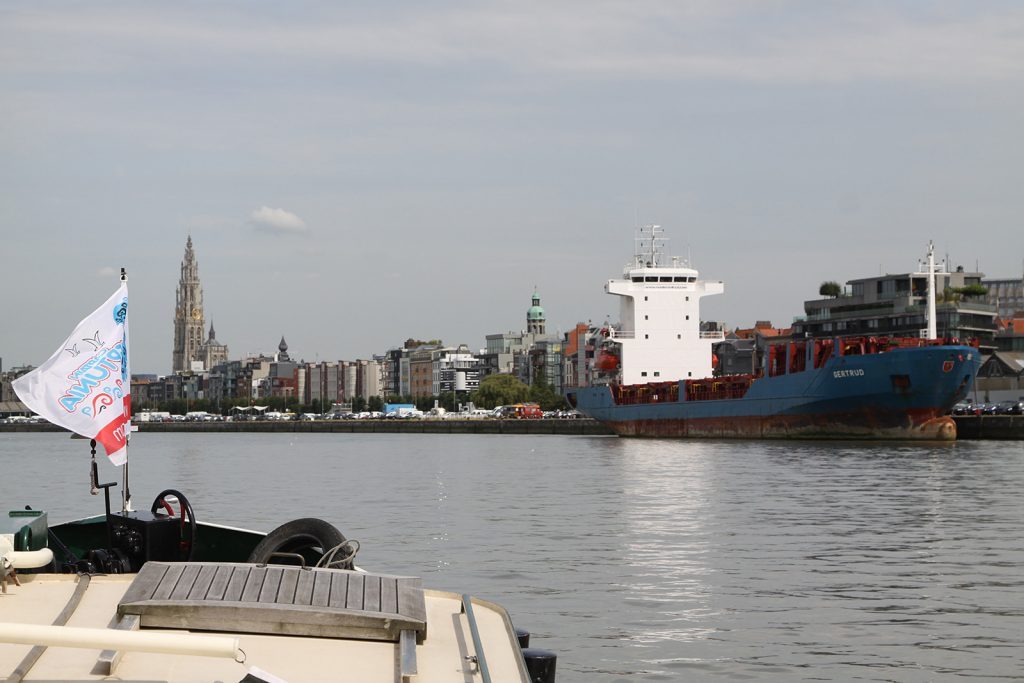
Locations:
(355, 174)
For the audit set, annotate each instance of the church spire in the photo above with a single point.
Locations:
(188, 313)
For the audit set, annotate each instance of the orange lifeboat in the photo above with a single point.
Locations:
(607, 362)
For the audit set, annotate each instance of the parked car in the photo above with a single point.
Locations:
(967, 408)
(990, 409)
(1010, 408)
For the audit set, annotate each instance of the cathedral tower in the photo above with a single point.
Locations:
(188, 314)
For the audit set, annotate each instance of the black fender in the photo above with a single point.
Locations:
(297, 536)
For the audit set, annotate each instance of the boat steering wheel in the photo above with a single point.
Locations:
(161, 507)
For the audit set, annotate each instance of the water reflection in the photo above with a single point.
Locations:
(667, 543)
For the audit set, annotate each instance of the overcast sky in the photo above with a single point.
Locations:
(356, 174)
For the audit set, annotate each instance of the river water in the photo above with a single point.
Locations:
(637, 560)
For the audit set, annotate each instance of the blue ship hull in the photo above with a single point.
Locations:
(904, 393)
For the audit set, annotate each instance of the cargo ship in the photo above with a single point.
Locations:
(654, 374)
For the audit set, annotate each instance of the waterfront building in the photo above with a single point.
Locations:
(578, 355)
(1001, 376)
(142, 392)
(322, 385)
(349, 381)
(391, 367)
(283, 380)
(421, 370)
(227, 380)
(405, 377)
(455, 370)
(6, 390)
(396, 370)
(1007, 296)
(499, 354)
(896, 305)
(257, 372)
(1011, 334)
(545, 363)
(371, 378)
(10, 404)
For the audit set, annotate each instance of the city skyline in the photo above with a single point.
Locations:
(353, 176)
(532, 322)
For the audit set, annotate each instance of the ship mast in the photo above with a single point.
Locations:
(932, 333)
(650, 247)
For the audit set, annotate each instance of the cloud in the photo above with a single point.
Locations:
(277, 221)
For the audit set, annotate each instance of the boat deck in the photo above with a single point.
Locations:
(447, 652)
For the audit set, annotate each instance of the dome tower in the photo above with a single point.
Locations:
(535, 316)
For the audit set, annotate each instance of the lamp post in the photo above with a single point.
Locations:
(455, 378)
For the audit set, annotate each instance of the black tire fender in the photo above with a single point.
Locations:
(296, 536)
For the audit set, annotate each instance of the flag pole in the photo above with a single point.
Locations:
(126, 496)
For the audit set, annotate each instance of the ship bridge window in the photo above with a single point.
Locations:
(666, 278)
(650, 278)
(679, 278)
(637, 278)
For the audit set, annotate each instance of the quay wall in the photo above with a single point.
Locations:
(969, 427)
(989, 427)
(583, 427)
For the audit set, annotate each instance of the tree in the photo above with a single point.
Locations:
(831, 289)
(973, 290)
(499, 390)
(375, 404)
(543, 394)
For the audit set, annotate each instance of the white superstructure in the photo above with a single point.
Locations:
(659, 338)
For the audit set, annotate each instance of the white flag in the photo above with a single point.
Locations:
(85, 386)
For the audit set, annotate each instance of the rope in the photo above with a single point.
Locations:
(328, 560)
(36, 652)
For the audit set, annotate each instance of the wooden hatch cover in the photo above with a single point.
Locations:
(273, 599)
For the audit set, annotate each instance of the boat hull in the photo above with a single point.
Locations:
(899, 394)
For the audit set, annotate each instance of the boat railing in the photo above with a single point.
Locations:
(631, 334)
(478, 647)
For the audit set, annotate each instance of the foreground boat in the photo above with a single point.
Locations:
(155, 595)
(144, 596)
(654, 375)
